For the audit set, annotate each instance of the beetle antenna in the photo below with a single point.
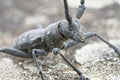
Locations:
(82, 2)
(81, 9)
(67, 15)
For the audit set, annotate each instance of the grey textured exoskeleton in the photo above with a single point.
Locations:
(56, 37)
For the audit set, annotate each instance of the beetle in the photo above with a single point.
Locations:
(54, 38)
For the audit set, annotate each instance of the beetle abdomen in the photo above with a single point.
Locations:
(29, 39)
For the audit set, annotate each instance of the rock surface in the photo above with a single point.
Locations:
(10, 71)
(97, 63)
(18, 16)
(96, 52)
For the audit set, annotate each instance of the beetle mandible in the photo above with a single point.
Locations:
(56, 37)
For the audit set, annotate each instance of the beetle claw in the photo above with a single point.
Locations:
(83, 78)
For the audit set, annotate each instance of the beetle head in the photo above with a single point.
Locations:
(75, 31)
(72, 31)
(72, 26)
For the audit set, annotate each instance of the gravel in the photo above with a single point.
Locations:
(106, 67)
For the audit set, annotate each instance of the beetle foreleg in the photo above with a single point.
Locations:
(58, 51)
(92, 34)
(42, 52)
(69, 44)
(15, 52)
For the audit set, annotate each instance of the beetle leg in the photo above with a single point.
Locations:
(69, 44)
(58, 51)
(92, 34)
(42, 52)
(15, 52)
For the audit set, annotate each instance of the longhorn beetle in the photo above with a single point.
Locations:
(56, 37)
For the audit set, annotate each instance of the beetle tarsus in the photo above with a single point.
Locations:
(81, 77)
